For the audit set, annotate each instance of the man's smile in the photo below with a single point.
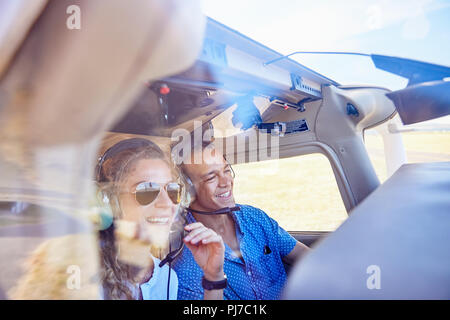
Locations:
(225, 195)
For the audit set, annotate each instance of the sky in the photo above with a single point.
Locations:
(416, 29)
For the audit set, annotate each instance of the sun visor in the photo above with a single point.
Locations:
(421, 102)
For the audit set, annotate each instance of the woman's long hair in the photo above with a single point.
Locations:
(115, 275)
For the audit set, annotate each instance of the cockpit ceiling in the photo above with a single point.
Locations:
(165, 106)
(201, 93)
(229, 67)
(158, 114)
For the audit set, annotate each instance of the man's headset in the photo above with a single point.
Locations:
(192, 193)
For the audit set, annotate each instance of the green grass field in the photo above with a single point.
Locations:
(301, 192)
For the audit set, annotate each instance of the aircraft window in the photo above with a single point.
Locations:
(428, 141)
(300, 192)
(375, 148)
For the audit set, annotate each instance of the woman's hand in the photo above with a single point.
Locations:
(208, 250)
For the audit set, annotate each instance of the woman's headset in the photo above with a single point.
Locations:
(127, 144)
(105, 192)
(108, 199)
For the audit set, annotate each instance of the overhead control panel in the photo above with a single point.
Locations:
(284, 128)
(214, 52)
(239, 64)
(304, 86)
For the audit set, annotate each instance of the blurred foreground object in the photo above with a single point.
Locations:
(133, 250)
(60, 89)
(60, 268)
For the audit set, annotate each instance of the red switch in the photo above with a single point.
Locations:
(164, 89)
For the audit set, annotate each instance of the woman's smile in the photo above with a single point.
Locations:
(158, 220)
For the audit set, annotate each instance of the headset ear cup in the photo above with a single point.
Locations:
(190, 190)
(105, 213)
(186, 198)
(110, 205)
(115, 206)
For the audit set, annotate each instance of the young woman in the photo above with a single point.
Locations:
(144, 190)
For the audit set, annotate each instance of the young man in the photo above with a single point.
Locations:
(255, 245)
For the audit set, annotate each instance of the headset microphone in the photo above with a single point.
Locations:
(225, 210)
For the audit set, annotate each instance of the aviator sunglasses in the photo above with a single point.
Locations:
(147, 192)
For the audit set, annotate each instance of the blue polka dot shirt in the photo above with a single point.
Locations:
(260, 273)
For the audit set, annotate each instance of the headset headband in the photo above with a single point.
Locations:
(127, 144)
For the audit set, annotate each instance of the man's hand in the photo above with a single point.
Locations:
(208, 250)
